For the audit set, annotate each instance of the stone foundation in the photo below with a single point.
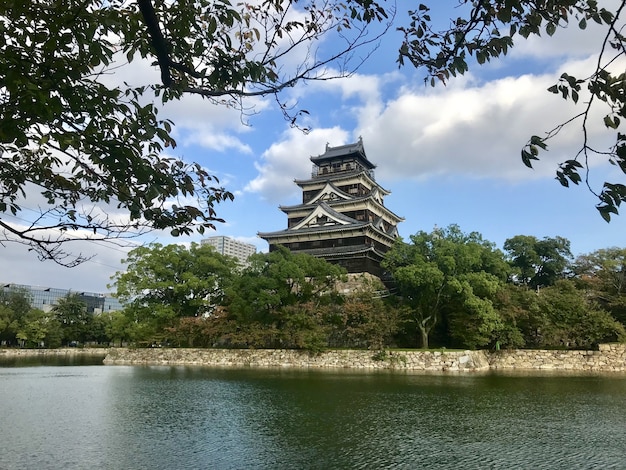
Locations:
(353, 359)
(9, 353)
(609, 358)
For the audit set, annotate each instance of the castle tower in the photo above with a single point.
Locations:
(342, 217)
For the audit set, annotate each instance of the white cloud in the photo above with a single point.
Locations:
(568, 41)
(20, 266)
(472, 129)
(476, 130)
(289, 159)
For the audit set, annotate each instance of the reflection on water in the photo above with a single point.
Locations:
(184, 417)
(93, 358)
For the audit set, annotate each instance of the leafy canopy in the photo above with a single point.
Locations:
(163, 283)
(487, 30)
(94, 155)
(449, 273)
(538, 263)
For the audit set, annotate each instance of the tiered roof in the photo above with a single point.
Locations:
(323, 217)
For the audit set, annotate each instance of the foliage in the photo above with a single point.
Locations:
(116, 326)
(363, 320)
(20, 324)
(277, 300)
(486, 30)
(14, 305)
(165, 283)
(571, 320)
(538, 263)
(602, 274)
(83, 142)
(559, 316)
(39, 329)
(516, 327)
(71, 312)
(447, 272)
(280, 279)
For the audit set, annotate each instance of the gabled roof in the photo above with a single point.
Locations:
(324, 215)
(374, 196)
(339, 177)
(332, 231)
(330, 192)
(355, 150)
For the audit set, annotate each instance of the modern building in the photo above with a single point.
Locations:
(230, 247)
(342, 217)
(45, 298)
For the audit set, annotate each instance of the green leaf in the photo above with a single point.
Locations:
(610, 122)
(606, 16)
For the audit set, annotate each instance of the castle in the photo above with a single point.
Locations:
(342, 217)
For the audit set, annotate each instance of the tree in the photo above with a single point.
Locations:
(487, 30)
(39, 329)
(277, 299)
(572, 321)
(452, 274)
(164, 283)
(512, 304)
(538, 263)
(116, 326)
(71, 312)
(602, 274)
(14, 305)
(82, 143)
(279, 279)
(363, 320)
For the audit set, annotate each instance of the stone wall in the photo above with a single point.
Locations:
(7, 353)
(609, 358)
(354, 359)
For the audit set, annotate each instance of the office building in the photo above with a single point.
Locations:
(230, 247)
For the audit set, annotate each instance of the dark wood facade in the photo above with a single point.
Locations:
(342, 217)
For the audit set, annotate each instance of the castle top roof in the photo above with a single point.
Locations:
(342, 152)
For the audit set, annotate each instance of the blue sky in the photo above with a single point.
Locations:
(449, 155)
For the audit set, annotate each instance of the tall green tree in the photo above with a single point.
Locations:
(363, 320)
(116, 326)
(279, 279)
(71, 312)
(451, 274)
(538, 263)
(602, 274)
(278, 301)
(165, 282)
(571, 319)
(14, 305)
(72, 138)
(38, 329)
(488, 29)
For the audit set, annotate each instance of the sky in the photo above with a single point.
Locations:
(448, 154)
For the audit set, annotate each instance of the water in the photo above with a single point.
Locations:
(130, 417)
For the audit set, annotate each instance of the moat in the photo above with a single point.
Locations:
(161, 417)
